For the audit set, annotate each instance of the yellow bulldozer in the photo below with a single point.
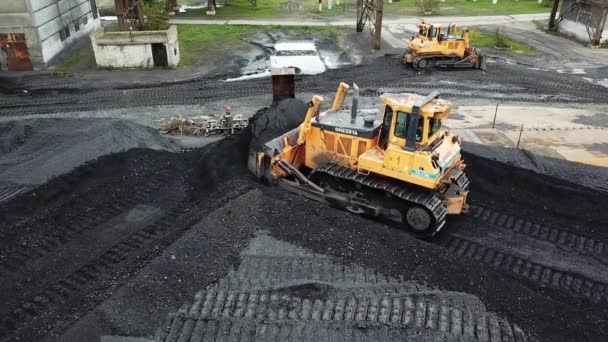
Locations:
(398, 164)
(435, 47)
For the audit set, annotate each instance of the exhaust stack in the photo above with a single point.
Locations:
(355, 105)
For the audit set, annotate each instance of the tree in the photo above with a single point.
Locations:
(156, 15)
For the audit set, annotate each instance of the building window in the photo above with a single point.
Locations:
(85, 19)
(64, 33)
(76, 26)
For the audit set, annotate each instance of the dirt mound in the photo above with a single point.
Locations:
(33, 151)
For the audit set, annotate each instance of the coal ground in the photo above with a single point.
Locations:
(73, 243)
(501, 82)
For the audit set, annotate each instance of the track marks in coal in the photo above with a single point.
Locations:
(533, 268)
(16, 259)
(10, 190)
(78, 281)
(448, 315)
(523, 85)
(562, 239)
(284, 292)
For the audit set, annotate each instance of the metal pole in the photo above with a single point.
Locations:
(553, 14)
(495, 113)
(521, 130)
(600, 28)
(378, 29)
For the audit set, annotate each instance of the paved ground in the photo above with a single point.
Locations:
(460, 20)
(557, 131)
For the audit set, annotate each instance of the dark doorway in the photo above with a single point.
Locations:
(15, 52)
(159, 55)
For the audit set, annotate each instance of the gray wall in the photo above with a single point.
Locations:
(585, 13)
(45, 23)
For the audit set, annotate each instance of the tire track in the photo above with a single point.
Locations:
(88, 277)
(283, 292)
(49, 243)
(453, 315)
(527, 268)
(520, 85)
(89, 274)
(562, 239)
(11, 190)
(94, 217)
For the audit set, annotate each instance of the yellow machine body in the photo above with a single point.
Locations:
(436, 45)
(373, 143)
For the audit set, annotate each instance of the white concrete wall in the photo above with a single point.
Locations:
(578, 31)
(173, 54)
(124, 56)
(123, 50)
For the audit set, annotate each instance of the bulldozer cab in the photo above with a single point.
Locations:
(428, 32)
(436, 33)
(411, 121)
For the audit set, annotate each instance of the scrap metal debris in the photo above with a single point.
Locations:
(226, 125)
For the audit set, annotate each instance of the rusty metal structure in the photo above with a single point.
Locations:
(130, 14)
(590, 13)
(15, 52)
(369, 12)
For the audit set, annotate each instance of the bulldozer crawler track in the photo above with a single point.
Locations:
(426, 199)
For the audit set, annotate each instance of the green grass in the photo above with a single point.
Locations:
(482, 39)
(70, 62)
(198, 42)
(604, 44)
(467, 7)
(210, 44)
(241, 9)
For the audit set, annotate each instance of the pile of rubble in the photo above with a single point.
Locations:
(204, 126)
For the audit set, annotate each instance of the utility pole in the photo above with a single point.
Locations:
(552, 26)
(378, 28)
(521, 130)
(495, 114)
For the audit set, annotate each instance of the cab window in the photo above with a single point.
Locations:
(402, 125)
(434, 126)
(433, 32)
(423, 31)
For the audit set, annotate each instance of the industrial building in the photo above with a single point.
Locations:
(33, 32)
(583, 20)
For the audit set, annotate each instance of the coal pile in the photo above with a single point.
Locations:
(167, 226)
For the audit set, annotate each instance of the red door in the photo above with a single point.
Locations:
(14, 50)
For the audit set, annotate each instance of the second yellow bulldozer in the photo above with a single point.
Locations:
(399, 163)
(435, 46)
